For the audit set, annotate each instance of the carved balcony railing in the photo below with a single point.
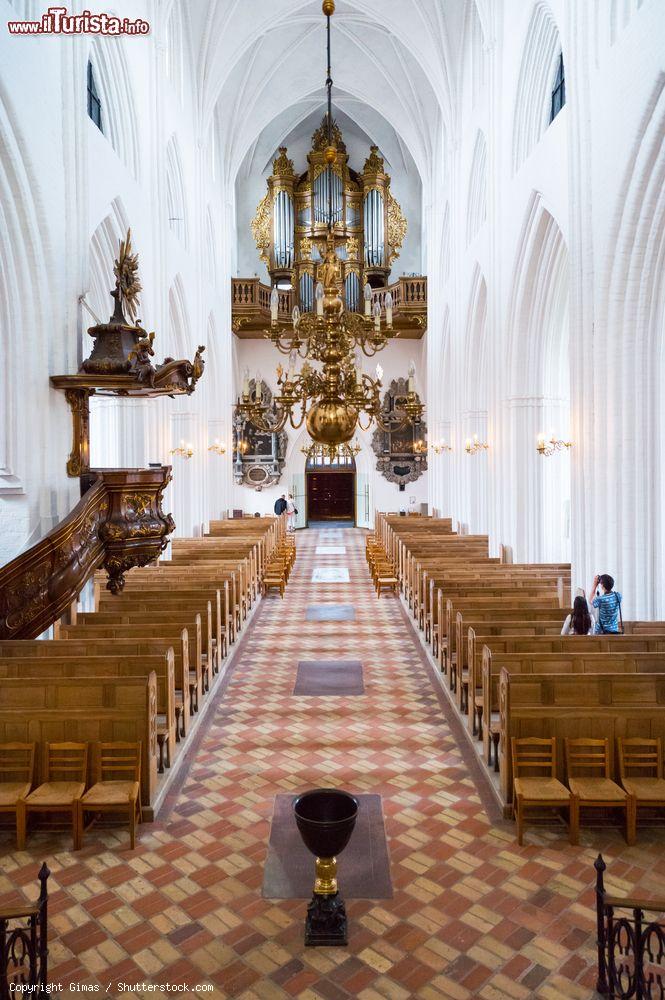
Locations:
(250, 306)
(631, 949)
(23, 945)
(117, 524)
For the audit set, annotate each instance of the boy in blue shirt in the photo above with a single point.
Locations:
(608, 604)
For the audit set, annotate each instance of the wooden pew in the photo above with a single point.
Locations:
(172, 634)
(112, 666)
(572, 662)
(171, 609)
(513, 643)
(191, 581)
(507, 603)
(84, 709)
(145, 649)
(598, 705)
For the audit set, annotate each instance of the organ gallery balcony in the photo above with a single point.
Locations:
(250, 299)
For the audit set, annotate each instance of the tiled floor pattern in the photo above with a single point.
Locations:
(473, 915)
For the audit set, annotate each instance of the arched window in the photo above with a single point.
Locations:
(319, 457)
(94, 102)
(559, 89)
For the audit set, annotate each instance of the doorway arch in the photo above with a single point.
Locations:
(330, 486)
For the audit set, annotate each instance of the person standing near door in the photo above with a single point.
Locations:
(280, 505)
(291, 511)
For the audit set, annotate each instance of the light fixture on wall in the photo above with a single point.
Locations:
(218, 447)
(548, 447)
(440, 446)
(473, 446)
(184, 450)
(420, 447)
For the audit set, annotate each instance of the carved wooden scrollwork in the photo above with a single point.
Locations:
(119, 523)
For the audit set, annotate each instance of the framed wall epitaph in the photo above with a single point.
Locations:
(401, 449)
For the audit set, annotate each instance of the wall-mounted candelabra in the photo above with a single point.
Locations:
(473, 445)
(548, 447)
(439, 447)
(218, 447)
(184, 450)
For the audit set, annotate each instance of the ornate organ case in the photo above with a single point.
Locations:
(292, 219)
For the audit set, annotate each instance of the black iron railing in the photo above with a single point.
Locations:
(631, 949)
(23, 945)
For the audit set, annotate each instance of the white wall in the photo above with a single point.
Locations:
(571, 253)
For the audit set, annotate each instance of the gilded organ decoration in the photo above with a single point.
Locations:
(261, 226)
(290, 225)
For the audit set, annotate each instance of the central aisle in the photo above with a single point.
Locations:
(472, 915)
(446, 932)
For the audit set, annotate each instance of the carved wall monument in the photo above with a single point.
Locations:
(258, 456)
(401, 451)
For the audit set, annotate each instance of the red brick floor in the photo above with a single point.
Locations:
(473, 915)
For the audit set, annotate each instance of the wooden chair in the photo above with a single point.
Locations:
(117, 788)
(17, 773)
(641, 770)
(588, 767)
(65, 770)
(530, 754)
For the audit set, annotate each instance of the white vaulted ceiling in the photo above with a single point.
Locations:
(261, 69)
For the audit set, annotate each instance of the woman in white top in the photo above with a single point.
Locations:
(290, 514)
(579, 621)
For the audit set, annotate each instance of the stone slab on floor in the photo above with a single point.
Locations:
(329, 678)
(330, 613)
(331, 574)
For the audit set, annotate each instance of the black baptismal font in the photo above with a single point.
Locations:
(325, 818)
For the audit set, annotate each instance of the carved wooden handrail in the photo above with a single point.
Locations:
(117, 524)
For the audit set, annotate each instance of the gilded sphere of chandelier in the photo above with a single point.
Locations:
(332, 422)
(328, 7)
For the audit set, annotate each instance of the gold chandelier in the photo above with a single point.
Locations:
(330, 392)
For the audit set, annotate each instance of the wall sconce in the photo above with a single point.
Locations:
(547, 448)
(218, 447)
(419, 447)
(473, 447)
(184, 450)
(440, 446)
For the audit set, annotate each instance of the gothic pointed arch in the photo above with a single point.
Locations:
(538, 332)
(540, 58)
(175, 192)
(633, 319)
(476, 388)
(23, 315)
(103, 251)
(113, 83)
(476, 211)
(179, 327)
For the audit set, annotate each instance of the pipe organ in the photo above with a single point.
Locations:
(291, 221)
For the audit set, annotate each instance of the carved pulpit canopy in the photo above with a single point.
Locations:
(121, 361)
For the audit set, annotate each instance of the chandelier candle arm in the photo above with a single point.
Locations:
(368, 299)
